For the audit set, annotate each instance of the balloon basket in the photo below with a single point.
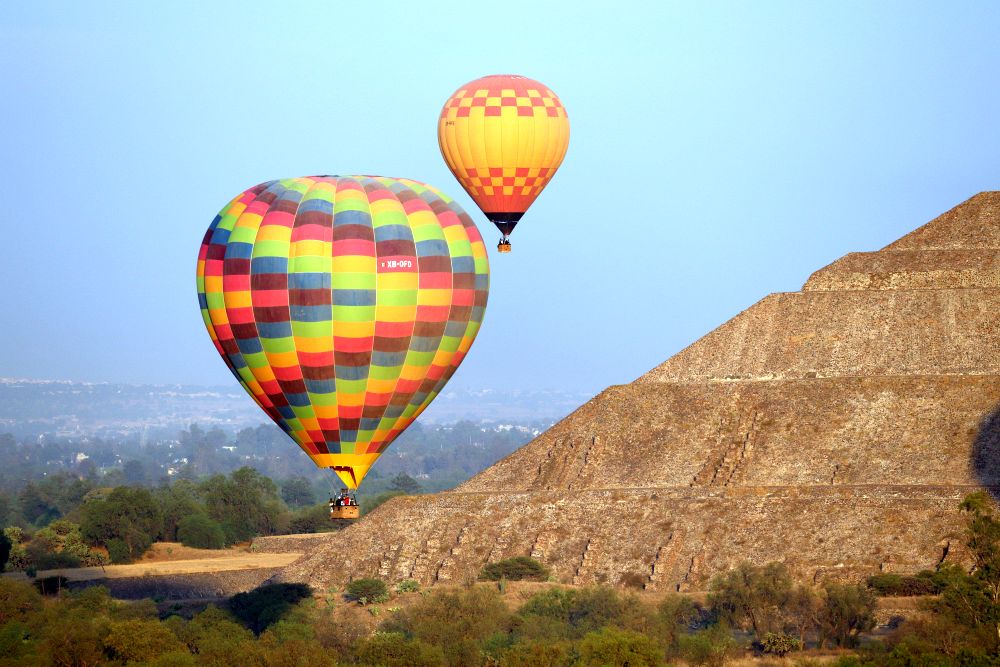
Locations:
(345, 512)
(503, 246)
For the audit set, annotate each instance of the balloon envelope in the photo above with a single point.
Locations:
(503, 137)
(343, 304)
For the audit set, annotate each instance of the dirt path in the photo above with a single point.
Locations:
(240, 561)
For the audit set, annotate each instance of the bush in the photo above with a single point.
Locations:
(139, 640)
(561, 613)
(460, 621)
(712, 647)
(265, 606)
(201, 532)
(393, 649)
(536, 654)
(620, 648)
(895, 585)
(779, 644)
(367, 590)
(408, 586)
(515, 569)
(17, 600)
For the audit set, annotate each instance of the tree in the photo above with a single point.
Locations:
(803, 610)
(752, 597)
(848, 610)
(297, 492)
(5, 547)
(983, 542)
(177, 501)
(129, 516)
(403, 483)
(35, 506)
(674, 616)
(246, 504)
(8, 511)
(201, 532)
(134, 472)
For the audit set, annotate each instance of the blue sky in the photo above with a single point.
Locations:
(719, 152)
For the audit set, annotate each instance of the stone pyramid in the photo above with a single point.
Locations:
(836, 429)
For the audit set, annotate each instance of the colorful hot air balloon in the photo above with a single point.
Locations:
(343, 304)
(503, 137)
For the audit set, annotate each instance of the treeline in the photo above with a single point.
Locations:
(439, 456)
(67, 521)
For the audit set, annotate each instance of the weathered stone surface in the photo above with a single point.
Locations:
(857, 430)
(909, 269)
(825, 334)
(835, 429)
(670, 538)
(974, 223)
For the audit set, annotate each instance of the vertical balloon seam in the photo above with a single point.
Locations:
(426, 387)
(379, 220)
(274, 393)
(234, 354)
(295, 246)
(395, 413)
(417, 395)
(434, 387)
(335, 182)
(364, 200)
(358, 440)
(386, 423)
(264, 373)
(275, 348)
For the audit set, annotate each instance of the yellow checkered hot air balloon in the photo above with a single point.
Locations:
(503, 137)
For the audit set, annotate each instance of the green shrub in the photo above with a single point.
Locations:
(895, 585)
(367, 590)
(408, 586)
(138, 640)
(709, 648)
(536, 654)
(779, 644)
(393, 649)
(564, 613)
(619, 648)
(201, 532)
(17, 600)
(515, 569)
